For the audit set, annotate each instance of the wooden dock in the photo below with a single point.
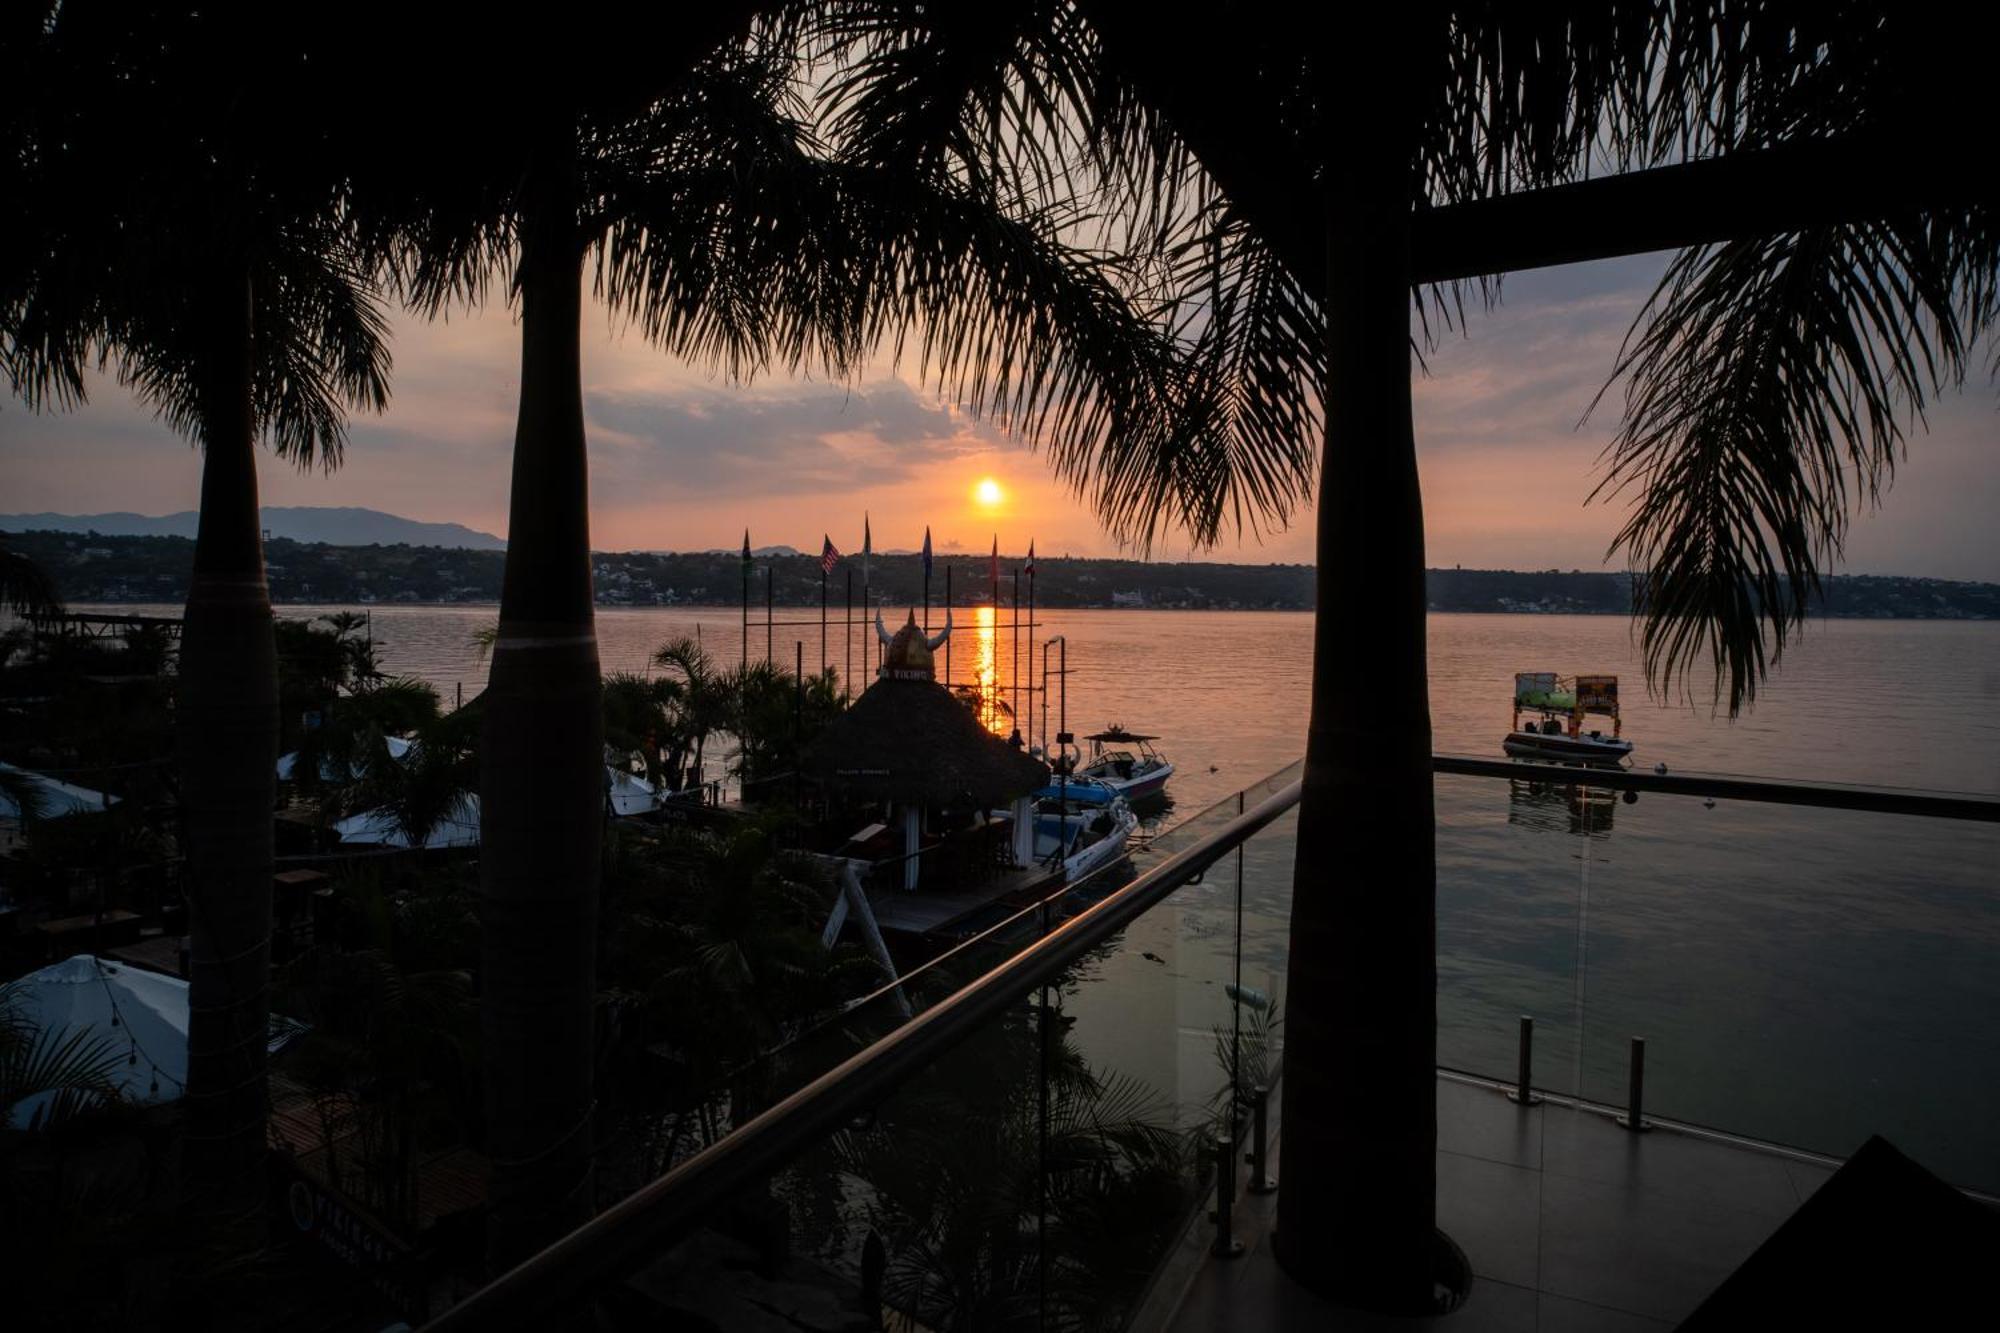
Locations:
(928, 911)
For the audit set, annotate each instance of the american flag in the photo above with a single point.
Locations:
(829, 556)
(1029, 568)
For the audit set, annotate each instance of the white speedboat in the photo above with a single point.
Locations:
(1083, 840)
(1125, 764)
(1557, 734)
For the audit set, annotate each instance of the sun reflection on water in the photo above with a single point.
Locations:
(993, 714)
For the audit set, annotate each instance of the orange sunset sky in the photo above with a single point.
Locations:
(682, 460)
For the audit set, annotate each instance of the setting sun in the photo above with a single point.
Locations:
(988, 492)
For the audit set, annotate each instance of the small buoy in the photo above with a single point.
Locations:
(1152, 957)
(1708, 804)
(1660, 769)
(1213, 769)
(1247, 995)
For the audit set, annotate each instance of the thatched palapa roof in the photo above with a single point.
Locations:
(907, 739)
(910, 740)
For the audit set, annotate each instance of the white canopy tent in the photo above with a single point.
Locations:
(329, 770)
(56, 799)
(628, 793)
(632, 794)
(378, 828)
(142, 1016)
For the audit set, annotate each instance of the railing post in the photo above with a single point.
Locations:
(1261, 1181)
(1226, 1245)
(1634, 1118)
(1524, 1086)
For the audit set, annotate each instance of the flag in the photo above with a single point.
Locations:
(995, 569)
(829, 556)
(927, 550)
(746, 548)
(1030, 566)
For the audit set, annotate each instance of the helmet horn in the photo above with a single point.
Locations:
(937, 642)
(881, 630)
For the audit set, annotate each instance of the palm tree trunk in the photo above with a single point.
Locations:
(226, 720)
(542, 780)
(1356, 1218)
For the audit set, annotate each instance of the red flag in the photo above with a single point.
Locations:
(1029, 568)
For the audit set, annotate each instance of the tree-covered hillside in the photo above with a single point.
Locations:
(97, 568)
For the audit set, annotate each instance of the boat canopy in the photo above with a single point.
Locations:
(1551, 693)
(1117, 734)
(1597, 694)
(1542, 689)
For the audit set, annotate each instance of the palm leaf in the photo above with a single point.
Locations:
(1772, 383)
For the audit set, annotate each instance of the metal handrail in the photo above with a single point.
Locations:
(1825, 795)
(661, 1210)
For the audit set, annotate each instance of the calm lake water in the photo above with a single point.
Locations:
(1801, 975)
(1898, 703)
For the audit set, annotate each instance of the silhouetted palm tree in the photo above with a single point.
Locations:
(698, 694)
(1297, 181)
(165, 218)
(717, 225)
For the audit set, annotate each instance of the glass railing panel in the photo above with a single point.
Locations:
(933, 970)
(1151, 1018)
(1264, 867)
(1514, 859)
(1802, 975)
(924, 1209)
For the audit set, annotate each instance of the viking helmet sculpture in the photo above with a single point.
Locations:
(907, 654)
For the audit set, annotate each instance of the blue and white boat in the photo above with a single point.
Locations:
(1083, 840)
(1127, 763)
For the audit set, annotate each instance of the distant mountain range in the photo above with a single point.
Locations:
(334, 526)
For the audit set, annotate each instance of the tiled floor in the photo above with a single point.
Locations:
(1570, 1222)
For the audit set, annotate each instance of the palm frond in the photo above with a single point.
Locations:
(73, 1068)
(25, 587)
(1772, 383)
(151, 165)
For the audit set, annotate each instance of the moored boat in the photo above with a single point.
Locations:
(1558, 734)
(1078, 790)
(1083, 840)
(1122, 763)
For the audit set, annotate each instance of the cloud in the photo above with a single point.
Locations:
(683, 459)
(703, 443)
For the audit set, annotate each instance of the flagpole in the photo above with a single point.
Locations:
(947, 616)
(1031, 647)
(769, 657)
(1017, 650)
(746, 599)
(847, 639)
(822, 619)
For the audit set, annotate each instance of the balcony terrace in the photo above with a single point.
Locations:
(1810, 965)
